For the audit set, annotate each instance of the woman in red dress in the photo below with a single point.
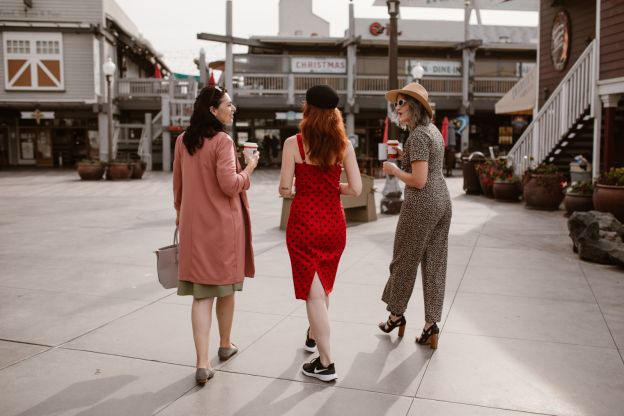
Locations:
(316, 231)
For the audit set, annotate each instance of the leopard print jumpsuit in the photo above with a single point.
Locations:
(422, 230)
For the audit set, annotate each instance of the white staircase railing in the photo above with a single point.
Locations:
(570, 100)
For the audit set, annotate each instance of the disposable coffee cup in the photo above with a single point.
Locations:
(250, 148)
(393, 145)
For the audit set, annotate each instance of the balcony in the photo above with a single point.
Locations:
(155, 88)
(264, 84)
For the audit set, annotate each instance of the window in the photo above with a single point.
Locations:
(33, 61)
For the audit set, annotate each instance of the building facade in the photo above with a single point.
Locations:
(53, 94)
(271, 79)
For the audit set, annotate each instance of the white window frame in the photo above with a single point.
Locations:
(33, 57)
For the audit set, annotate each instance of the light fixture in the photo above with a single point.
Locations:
(109, 67)
(393, 7)
(418, 71)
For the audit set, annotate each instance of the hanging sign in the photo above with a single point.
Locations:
(318, 65)
(560, 40)
(439, 68)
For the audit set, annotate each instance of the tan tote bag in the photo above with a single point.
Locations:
(167, 263)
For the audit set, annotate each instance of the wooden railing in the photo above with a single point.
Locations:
(155, 88)
(570, 100)
(285, 84)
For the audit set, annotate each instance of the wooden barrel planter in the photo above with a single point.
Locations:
(90, 171)
(577, 202)
(506, 191)
(471, 177)
(542, 191)
(609, 198)
(118, 171)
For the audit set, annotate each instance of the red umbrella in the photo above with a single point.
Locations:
(444, 131)
(385, 135)
(157, 73)
(212, 81)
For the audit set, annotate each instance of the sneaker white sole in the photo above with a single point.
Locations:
(322, 377)
(309, 349)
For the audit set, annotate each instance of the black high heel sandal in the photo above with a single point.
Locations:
(390, 324)
(430, 337)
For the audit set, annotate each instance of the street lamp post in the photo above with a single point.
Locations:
(109, 68)
(391, 201)
(393, 75)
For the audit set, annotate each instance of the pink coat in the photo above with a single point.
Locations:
(215, 225)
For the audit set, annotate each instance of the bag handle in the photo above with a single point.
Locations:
(175, 236)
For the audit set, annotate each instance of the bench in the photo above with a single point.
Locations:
(357, 209)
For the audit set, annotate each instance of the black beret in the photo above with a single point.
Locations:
(322, 96)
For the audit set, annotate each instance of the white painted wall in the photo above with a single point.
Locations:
(297, 19)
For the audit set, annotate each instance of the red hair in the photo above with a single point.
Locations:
(324, 133)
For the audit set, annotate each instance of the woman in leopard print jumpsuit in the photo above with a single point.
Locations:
(423, 227)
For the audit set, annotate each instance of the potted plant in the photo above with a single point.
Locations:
(543, 187)
(90, 169)
(119, 169)
(485, 171)
(609, 193)
(578, 197)
(138, 168)
(507, 188)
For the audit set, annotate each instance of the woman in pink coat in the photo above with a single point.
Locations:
(215, 252)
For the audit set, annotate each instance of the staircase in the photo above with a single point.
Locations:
(563, 127)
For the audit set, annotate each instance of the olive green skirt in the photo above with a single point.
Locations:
(199, 291)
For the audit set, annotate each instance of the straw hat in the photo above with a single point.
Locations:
(414, 90)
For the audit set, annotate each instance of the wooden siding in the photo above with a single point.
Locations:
(582, 15)
(78, 68)
(77, 11)
(611, 39)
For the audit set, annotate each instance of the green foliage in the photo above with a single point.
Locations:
(615, 177)
(582, 187)
(544, 169)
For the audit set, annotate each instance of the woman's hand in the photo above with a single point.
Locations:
(252, 161)
(390, 168)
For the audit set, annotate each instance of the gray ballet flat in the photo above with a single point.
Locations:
(227, 353)
(202, 375)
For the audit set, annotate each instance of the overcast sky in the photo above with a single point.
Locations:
(172, 26)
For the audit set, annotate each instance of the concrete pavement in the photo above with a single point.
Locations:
(86, 330)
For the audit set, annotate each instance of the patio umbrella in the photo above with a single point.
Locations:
(157, 73)
(211, 80)
(385, 135)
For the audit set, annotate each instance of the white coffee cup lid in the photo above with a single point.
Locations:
(250, 144)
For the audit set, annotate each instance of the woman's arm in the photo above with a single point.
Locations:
(287, 173)
(231, 182)
(177, 179)
(353, 186)
(416, 179)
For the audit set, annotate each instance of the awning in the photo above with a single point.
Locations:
(520, 99)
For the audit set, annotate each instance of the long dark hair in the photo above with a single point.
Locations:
(204, 125)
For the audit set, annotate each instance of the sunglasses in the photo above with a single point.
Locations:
(398, 104)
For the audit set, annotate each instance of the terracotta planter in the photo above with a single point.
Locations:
(138, 168)
(542, 191)
(608, 198)
(577, 202)
(90, 171)
(506, 191)
(118, 171)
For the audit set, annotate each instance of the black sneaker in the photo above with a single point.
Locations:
(315, 369)
(310, 344)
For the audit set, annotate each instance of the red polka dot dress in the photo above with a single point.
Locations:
(316, 233)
